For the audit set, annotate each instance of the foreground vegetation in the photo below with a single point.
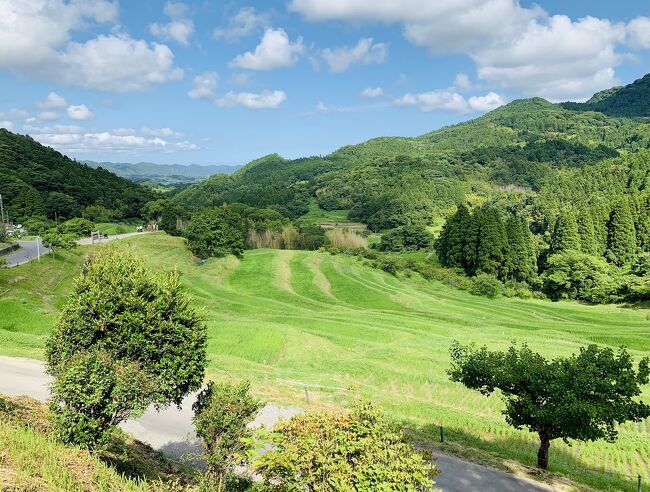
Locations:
(284, 319)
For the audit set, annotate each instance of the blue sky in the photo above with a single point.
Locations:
(218, 82)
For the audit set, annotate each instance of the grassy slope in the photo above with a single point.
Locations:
(31, 459)
(279, 316)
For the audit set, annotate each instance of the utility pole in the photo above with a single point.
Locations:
(2, 212)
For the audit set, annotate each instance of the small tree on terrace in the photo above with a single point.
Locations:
(580, 397)
(221, 415)
(136, 319)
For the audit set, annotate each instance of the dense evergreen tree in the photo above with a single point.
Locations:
(587, 232)
(450, 246)
(621, 236)
(486, 242)
(520, 260)
(565, 233)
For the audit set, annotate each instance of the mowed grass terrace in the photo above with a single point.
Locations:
(285, 319)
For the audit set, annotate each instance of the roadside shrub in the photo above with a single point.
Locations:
(93, 393)
(77, 226)
(117, 306)
(486, 286)
(99, 213)
(360, 451)
(221, 414)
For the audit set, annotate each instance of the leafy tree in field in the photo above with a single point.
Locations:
(406, 238)
(54, 240)
(358, 451)
(221, 414)
(565, 233)
(93, 393)
(621, 235)
(486, 242)
(313, 236)
(485, 285)
(78, 227)
(575, 275)
(582, 397)
(120, 308)
(216, 232)
(37, 226)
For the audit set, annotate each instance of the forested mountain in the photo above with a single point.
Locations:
(161, 173)
(392, 181)
(631, 100)
(37, 181)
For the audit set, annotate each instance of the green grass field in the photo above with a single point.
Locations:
(286, 318)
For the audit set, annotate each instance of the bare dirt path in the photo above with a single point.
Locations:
(170, 431)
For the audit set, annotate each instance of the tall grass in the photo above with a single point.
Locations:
(344, 238)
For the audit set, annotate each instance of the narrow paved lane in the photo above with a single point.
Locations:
(86, 241)
(171, 432)
(28, 251)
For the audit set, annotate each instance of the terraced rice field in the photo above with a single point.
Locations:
(286, 319)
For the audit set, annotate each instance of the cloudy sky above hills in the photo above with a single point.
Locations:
(226, 82)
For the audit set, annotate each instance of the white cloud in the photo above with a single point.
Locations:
(558, 59)
(179, 29)
(35, 40)
(14, 114)
(638, 32)
(48, 115)
(365, 52)
(240, 78)
(76, 140)
(451, 102)
(516, 47)
(204, 86)
(488, 102)
(372, 92)
(52, 101)
(274, 51)
(165, 132)
(462, 83)
(80, 113)
(242, 24)
(6, 124)
(249, 100)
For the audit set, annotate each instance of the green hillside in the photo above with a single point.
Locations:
(392, 181)
(289, 318)
(39, 181)
(631, 100)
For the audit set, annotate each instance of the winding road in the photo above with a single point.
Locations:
(171, 432)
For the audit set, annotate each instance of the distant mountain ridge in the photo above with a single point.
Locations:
(632, 100)
(162, 173)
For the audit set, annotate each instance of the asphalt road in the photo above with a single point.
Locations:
(170, 431)
(27, 252)
(88, 241)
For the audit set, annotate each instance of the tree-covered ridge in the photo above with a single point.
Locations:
(391, 181)
(631, 100)
(39, 181)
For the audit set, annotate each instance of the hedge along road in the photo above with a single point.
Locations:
(170, 431)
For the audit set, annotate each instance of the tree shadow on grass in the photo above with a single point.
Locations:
(519, 456)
